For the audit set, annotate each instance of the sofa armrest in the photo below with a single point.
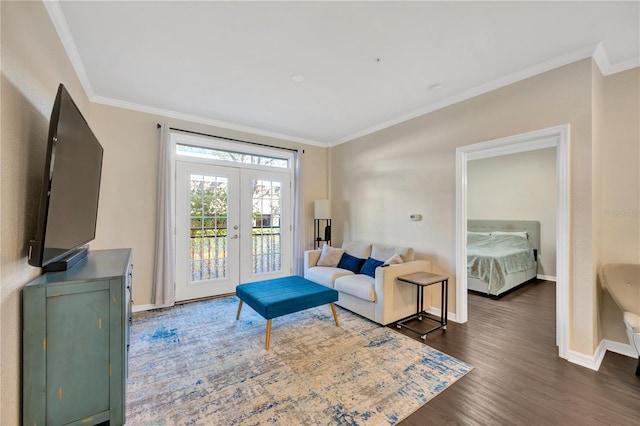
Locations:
(395, 300)
(311, 258)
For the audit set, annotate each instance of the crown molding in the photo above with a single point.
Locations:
(595, 51)
(201, 120)
(606, 68)
(61, 26)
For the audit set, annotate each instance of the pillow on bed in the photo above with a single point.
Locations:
(330, 256)
(522, 234)
(486, 234)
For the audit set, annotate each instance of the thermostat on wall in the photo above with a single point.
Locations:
(415, 217)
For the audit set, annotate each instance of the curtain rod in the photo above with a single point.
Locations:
(230, 139)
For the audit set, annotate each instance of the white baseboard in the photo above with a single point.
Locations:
(450, 315)
(593, 361)
(546, 277)
(620, 348)
(141, 308)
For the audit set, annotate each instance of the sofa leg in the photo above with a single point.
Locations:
(638, 368)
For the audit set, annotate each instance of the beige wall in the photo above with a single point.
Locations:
(597, 108)
(127, 209)
(518, 187)
(377, 180)
(620, 168)
(33, 64)
(618, 213)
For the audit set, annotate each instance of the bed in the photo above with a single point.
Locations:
(501, 255)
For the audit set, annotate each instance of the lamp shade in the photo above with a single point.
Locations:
(322, 209)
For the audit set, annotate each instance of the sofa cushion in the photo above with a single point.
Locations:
(385, 252)
(326, 275)
(357, 249)
(330, 256)
(369, 267)
(359, 285)
(351, 263)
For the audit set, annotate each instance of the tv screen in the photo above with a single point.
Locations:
(71, 186)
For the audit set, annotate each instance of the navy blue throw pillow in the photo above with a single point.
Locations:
(369, 267)
(350, 263)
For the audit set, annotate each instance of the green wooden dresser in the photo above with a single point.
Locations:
(75, 337)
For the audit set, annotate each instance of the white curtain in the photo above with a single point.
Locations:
(298, 217)
(164, 290)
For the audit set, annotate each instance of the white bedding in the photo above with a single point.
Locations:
(496, 259)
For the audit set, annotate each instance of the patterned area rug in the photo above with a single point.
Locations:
(195, 364)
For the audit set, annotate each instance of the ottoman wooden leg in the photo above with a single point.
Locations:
(335, 315)
(239, 309)
(268, 334)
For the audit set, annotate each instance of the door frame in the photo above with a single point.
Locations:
(558, 137)
(178, 138)
(200, 289)
(246, 175)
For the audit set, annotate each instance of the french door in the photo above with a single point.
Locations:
(233, 225)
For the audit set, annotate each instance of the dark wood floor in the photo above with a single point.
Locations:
(518, 378)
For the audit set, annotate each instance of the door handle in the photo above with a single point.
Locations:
(235, 237)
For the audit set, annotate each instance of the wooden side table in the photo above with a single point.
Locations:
(422, 280)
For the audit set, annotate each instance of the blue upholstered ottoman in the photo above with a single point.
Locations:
(282, 296)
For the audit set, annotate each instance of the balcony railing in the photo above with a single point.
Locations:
(208, 252)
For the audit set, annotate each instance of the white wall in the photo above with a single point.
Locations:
(518, 187)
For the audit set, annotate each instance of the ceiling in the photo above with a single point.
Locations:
(365, 65)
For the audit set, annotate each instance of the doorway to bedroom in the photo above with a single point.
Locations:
(513, 192)
(540, 145)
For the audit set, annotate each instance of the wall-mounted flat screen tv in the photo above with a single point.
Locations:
(70, 189)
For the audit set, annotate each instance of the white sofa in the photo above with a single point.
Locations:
(382, 299)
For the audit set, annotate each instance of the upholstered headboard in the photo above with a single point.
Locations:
(531, 226)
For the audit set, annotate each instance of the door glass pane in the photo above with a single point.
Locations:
(266, 246)
(232, 156)
(208, 229)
